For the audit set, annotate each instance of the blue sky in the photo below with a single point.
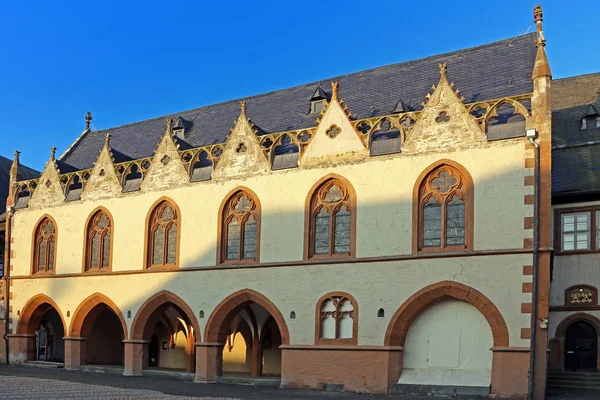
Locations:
(127, 61)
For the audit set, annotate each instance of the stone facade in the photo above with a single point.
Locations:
(411, 312)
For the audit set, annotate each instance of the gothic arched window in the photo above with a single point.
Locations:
(44, 252)
(240, 228)
(444, 209)
(337, 319)
(331, 220)
(163, 236)
(98, 242)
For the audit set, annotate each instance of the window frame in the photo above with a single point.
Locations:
(87, 242)
(353, 341)
(149, 243)
(34, 248)
(467, 190)
(558, 239)
(222, 228)
(310, 225)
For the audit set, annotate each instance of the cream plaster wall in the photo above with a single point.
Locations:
(384, 187)
(297, 288)
(448, 344)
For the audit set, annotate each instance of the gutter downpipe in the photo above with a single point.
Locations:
(7, 236)
(536, 245)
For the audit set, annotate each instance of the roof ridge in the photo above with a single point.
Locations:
(568, 78)
(318, 82)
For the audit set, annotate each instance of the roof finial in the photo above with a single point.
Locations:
(52, 153)
(169, 125)
(14, 169)
(107, 139)
(538, 18)
(443, 69)
(334, 90)
(243, 107)
(88, 120)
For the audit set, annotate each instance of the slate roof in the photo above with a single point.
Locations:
(490, 71)
(575, 152)
(24, 173)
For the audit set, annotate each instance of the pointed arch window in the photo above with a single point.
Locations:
(445, 210)
(44, 252)
(331, 216)
(163, 236)
(240, 229)
(99, 236)
(337, 319)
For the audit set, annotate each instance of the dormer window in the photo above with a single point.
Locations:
(317, 106)
(318, 101)
(179, 128)
(591, 119)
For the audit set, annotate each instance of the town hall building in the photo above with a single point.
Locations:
(388, 230)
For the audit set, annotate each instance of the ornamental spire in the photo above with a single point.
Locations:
(243, 108)
(52, 153)
(88, 120)
(541, 67)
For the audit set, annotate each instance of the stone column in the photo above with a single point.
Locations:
(209, 362)
(74, 352)
(21, 348)
(134, 353)
(257, 352)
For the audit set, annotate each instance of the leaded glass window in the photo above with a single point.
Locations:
(163, 231)
(337, 318)
(99, 234)
(45, 247)
(331, 216)
(240, 229)
(443, 206)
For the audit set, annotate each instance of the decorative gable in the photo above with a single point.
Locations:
(103, 182)
(49, 192)
(167, 170)
(242, 154)
(444, 123)
(335, 139)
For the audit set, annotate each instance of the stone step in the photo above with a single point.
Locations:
(43, 364)
(248, 380)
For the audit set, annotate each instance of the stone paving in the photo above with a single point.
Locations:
(28, 383)
(25, 388)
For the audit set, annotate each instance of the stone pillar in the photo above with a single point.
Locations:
(74, 352)
(21, 348)
(134, 353)
(257, 352)
(510, 369)
(209, 362)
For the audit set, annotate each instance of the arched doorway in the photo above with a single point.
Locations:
(574, 344)
(247, 331)
(436, 321)
(41, 327)
(581, 347)
(167, 328)
(98, 327)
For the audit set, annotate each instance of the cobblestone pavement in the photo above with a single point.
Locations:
(28, 383)
(17, 388)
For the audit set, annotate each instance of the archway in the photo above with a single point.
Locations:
(249, 320)
(98, 329)
(167, 328)
(574, 346)
(432, 304)
(42, 328)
